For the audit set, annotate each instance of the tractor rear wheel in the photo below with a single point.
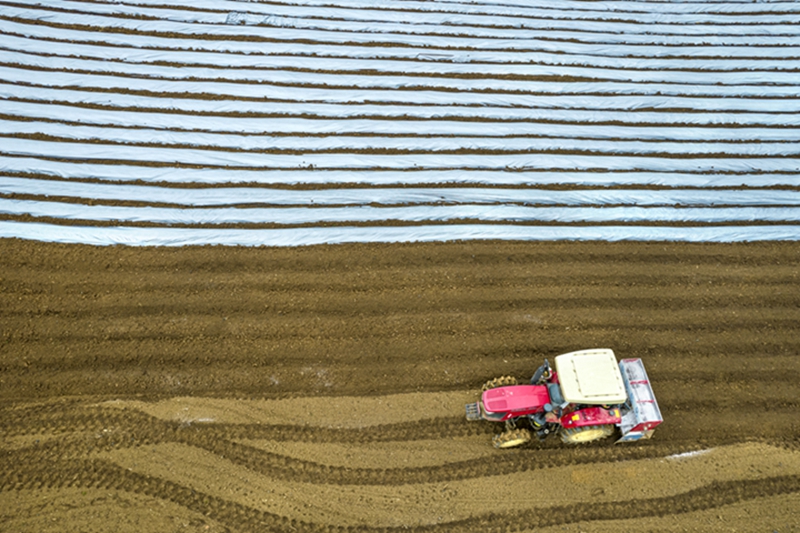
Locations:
(499, 382)
(586, 433)
(511, 439)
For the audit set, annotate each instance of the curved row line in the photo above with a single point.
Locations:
(83, 57)
(90, 44)
(504, 6)
(362, 72)
(115, 137)
(284, 467)
(231, 196)
(413, 62)
(194, 158)
(432, 13)
(94, 473)
(242, 99)
(120, 173)
(134, 236)
(431, 23)
(364, 214)
(167, 126)
(524, 118)
(756, 318)
(681, 110)
(575, 2)
(398, 34)
(304, 43)
(77, 419)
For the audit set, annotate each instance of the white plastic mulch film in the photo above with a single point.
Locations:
(298, 122)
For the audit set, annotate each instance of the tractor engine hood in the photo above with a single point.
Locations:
(528, 398)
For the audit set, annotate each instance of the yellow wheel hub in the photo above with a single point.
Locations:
(511, 439)
(512, 443)
(585, 434)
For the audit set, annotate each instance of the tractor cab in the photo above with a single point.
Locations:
(590, 377)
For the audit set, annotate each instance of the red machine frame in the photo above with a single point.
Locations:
(541, 403)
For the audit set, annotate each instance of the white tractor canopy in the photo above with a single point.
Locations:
(591, 377)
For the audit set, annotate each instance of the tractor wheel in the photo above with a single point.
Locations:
(499, 382)
(512, 438)
(586, 433)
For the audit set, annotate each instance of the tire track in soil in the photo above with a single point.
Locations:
(106, 430)
(682, 392)
(100, 474)
(405, 314)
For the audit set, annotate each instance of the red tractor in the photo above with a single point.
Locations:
(583, 399)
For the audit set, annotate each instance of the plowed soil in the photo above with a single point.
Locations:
(323, 388)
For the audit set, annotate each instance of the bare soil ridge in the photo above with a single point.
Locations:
(321, 388)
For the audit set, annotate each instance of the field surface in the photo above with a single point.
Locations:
(171, 386)
(323, 388)
(192, 122)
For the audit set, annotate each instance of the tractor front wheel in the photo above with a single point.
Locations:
(511, 439)
(499, 382)
(586, 433)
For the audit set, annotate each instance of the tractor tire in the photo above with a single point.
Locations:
(511, 439)
(586, 434)
(499, 382)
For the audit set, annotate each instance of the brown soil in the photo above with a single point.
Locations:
(322, 388)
